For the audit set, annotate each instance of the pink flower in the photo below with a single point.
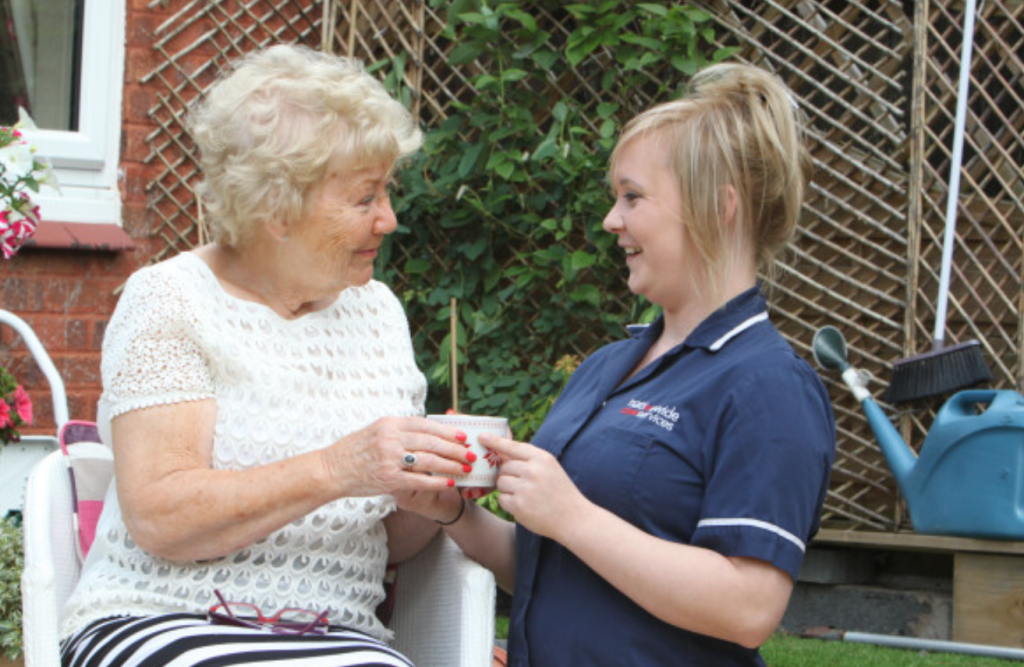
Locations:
(5, 415)
(23, 404)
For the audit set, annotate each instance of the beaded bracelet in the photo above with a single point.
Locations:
(462, 509)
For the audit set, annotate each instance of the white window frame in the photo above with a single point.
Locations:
(86, 161)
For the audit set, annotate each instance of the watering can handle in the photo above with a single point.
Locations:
(962, 403)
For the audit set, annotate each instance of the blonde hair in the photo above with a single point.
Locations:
(266, 131)
(737, 126)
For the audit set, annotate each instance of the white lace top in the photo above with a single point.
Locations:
(283, 387)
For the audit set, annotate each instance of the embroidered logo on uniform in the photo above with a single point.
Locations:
(664, 416)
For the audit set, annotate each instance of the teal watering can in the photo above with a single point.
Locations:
(969, 477)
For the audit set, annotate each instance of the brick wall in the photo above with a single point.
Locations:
(68, 295)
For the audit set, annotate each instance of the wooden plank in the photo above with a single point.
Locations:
(917, 542)
(988, 599)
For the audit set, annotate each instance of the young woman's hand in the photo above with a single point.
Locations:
(535, 489)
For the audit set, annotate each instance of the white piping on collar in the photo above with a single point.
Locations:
(737, 330)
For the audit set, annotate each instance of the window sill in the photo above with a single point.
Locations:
(80, 236)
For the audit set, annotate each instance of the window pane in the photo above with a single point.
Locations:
(40, 56)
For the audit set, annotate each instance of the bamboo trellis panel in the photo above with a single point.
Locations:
(194, 46)
(869, 263)
(878, 84)
(848, 69)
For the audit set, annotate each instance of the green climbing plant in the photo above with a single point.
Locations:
(502, 208)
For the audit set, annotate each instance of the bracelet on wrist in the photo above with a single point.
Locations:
(462, 509)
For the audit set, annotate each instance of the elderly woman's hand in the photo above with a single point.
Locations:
(376, 459)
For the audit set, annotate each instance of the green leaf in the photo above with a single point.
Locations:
(698, 15)
(580, 11)
(545, 151)
(514, 74)
(581, 259)
(522, 18)
(472, 18)
(472, 251)
(586, 294)
(724, 53)
(544, 58)
(560, 111)
(416, 266)
(657, 10)
(607, 109)
(463, 54)
(646, 42)
(551, 255)
(467, 163)
(485, 81)
(683, 64)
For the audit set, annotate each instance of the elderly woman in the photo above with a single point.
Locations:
(667, 500)
(261, 397)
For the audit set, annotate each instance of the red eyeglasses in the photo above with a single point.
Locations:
(285, 622)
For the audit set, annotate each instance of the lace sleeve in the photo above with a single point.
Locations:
(152, 350)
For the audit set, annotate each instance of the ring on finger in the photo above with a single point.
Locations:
(409, 460)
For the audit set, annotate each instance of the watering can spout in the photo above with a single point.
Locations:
(898, 454)
(829, 348)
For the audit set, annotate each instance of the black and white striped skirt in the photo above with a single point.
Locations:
(189, 640)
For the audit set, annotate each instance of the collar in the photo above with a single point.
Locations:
(741, 312)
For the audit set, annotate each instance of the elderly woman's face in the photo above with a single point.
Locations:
(344, 220)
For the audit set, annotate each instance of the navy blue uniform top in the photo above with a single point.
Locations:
(725, 442)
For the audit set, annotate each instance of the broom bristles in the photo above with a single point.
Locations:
(938, 372)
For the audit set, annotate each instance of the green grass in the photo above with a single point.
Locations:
(790, 651)
(501, 627)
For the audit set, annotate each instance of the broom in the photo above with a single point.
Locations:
(944, 369)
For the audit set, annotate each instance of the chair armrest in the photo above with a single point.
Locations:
(444, 608)
(51, 560)
(51, 567)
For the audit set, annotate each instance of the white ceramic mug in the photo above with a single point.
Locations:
(485, 468)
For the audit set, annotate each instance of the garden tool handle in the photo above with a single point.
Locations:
(962, 403)
(954, 175)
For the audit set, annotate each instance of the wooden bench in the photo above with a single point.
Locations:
(988, 579)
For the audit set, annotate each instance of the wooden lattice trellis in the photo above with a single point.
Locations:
(194, 46)
(878, 83)
(848, 68)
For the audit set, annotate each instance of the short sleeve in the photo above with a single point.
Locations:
(769, 471)
(151, 350)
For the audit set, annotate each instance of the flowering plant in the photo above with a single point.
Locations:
(21, 173)
(15, 408)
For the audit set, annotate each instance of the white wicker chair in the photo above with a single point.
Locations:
(444, 603)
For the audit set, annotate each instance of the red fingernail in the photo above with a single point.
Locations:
(460, 436)
(470, 456)
(450, 411)
(451, 482)
(466, 467)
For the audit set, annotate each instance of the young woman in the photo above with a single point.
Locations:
(666, 503)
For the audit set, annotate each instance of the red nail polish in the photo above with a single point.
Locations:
(450, 411)
(451, 482)
(460, 436)
(470, 456)
(467, 468)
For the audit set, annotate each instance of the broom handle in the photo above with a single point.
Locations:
(954, 176)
